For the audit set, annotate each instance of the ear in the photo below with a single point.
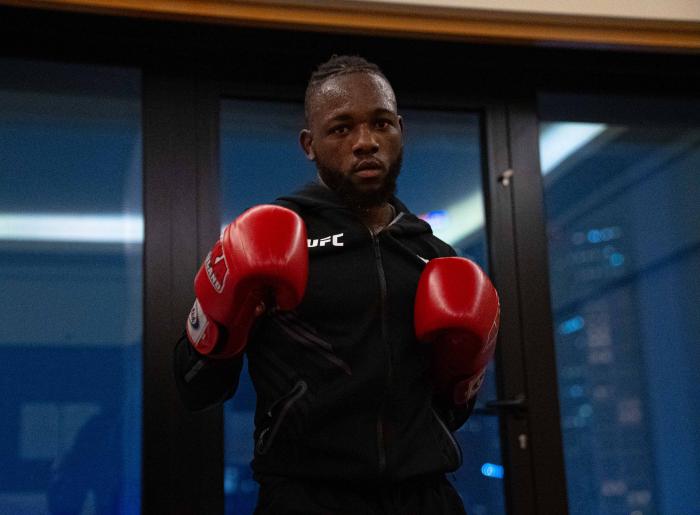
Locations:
(401, 124)
(305, 140)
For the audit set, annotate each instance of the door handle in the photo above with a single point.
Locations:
(516, 406)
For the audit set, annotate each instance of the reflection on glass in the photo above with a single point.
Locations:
(440, 181)
(71, 232)
(441, 178)
(623, 223)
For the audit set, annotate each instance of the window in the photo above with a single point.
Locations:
(71, 234)
(623, 223)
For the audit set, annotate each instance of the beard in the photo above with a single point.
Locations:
(355, 197)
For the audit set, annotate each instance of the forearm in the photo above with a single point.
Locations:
(204, 382)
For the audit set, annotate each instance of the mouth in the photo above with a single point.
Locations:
(369, 169)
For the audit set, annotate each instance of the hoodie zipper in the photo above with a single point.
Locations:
(381, 444)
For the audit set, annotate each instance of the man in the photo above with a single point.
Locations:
(328, 293)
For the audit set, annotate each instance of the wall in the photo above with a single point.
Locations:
(674, 24)
(681, 10)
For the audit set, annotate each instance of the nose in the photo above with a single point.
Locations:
(365, 142)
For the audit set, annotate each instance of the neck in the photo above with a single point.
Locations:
(376, 218)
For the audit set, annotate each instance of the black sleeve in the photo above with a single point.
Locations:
(439, 248)
(453, 416)
(204, 382)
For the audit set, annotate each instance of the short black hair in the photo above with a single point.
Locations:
(335, 66)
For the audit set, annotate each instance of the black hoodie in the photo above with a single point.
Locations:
(343, 387)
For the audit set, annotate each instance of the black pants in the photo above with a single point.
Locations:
(432, 495)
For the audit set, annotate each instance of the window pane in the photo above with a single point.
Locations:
(623, 223)
(71, 232)
(440, 181)
(260, 161)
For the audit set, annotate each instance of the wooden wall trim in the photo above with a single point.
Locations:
(352, 16)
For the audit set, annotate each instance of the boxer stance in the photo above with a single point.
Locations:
(366, 339)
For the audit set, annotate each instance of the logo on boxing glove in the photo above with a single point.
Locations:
(216, 267)
(194, 317)
(493, 333)
(469, 388)
(197, 325)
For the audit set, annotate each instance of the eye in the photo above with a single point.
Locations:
(383, 123)
(339, 129)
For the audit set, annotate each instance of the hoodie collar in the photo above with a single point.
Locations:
(316, 196)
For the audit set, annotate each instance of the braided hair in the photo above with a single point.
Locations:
(335, 66)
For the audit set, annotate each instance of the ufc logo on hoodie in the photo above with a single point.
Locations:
(322, 242)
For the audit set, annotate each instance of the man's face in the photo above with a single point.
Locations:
(355, 138)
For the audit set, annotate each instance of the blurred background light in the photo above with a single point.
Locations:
(111, 228)
(491, 470)
(561, 139)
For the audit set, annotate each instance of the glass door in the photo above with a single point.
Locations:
(621, 195)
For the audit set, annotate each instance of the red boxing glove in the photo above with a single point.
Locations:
(457, 311)
(261, 252)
